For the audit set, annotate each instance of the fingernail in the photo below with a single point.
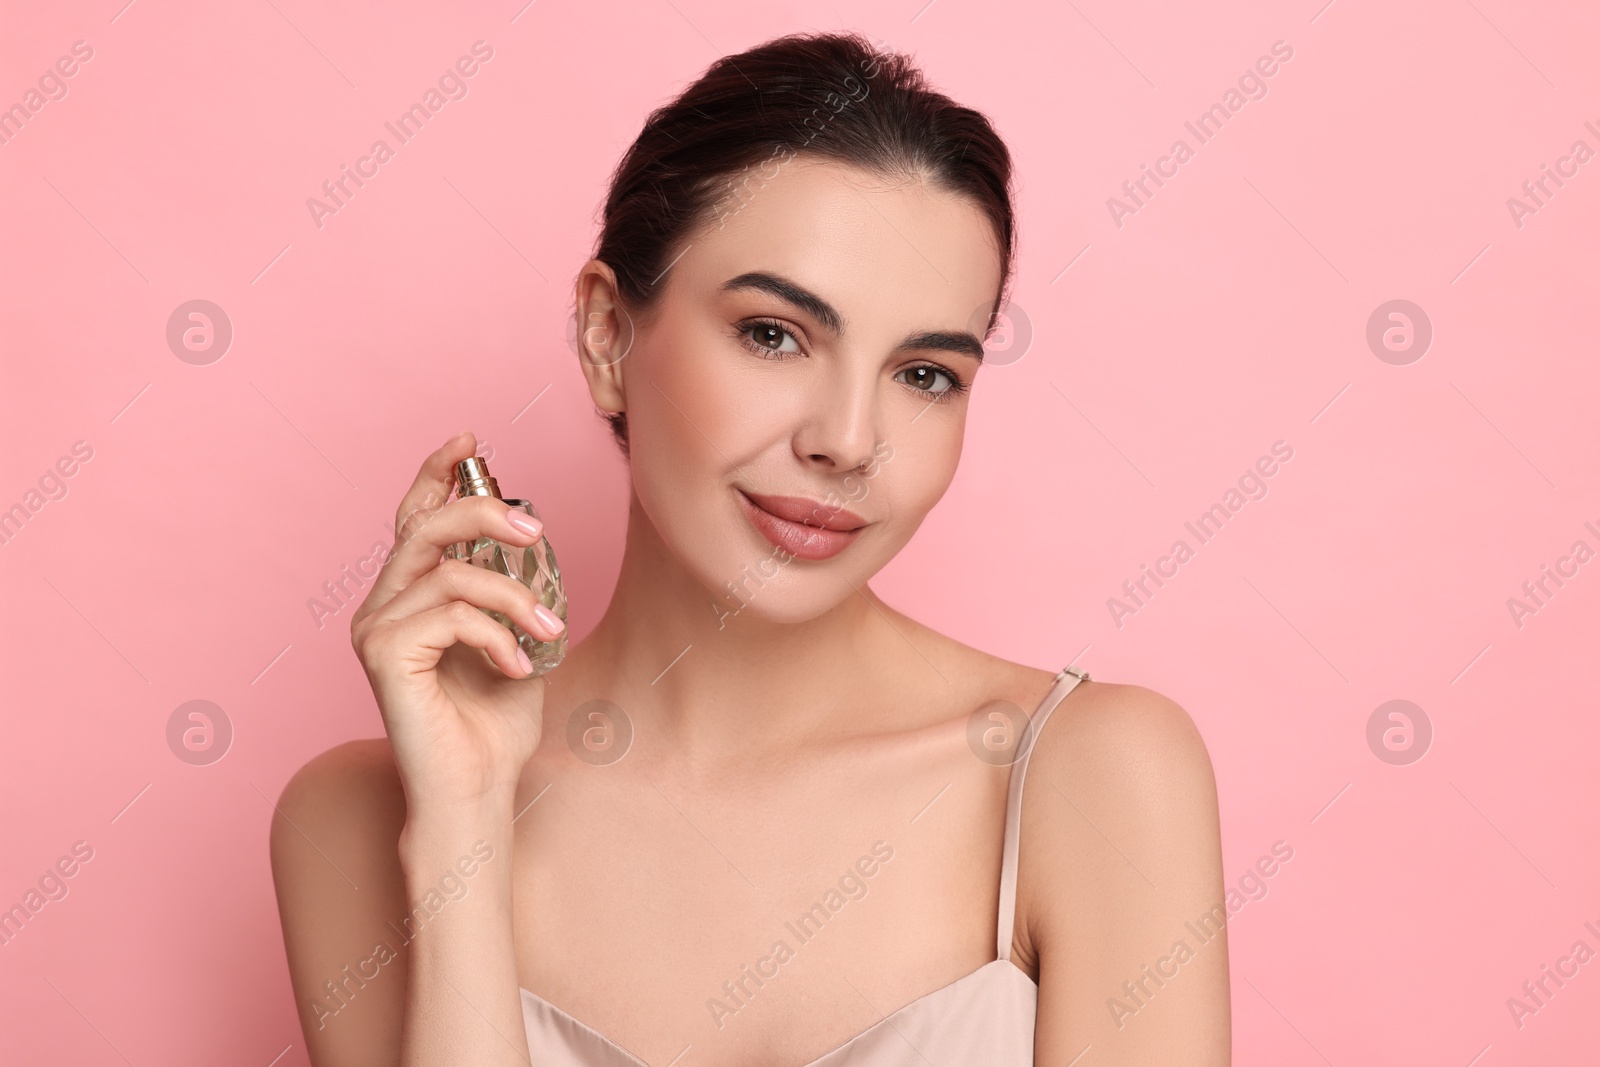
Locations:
(522, 658)
(524, 522)
(549, 618)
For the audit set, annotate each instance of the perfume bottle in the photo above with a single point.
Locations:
(534, 566)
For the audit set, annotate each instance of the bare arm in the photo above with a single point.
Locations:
(340, 886)
(393, 858)
(463, 1004)
(1121, 864)
(384, 921)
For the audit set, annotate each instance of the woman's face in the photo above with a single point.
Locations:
(818, 345)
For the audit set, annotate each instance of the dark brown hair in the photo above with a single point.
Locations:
(827, 95)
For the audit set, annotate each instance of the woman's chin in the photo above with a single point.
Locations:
(775, 601)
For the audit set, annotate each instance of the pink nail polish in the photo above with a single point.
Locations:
(549, 618)
(524, 661)
(524, 522)
(531, 565)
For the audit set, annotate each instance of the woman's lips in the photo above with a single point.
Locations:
(800, 539)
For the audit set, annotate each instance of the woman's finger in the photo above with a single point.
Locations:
(455, 579)
(465, 519)
(431, 488)
(418, 641)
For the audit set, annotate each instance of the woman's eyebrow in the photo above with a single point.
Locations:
(944, 341)
(788, 291)
(826, 314)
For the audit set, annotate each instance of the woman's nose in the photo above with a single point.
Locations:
(840, 427)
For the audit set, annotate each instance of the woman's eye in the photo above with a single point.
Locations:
(769, 338)
(926, 379)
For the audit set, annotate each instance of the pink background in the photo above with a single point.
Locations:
(1228, 313)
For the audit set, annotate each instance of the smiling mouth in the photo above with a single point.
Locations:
(806, 529)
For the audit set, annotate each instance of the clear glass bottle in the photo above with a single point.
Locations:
(534, 566)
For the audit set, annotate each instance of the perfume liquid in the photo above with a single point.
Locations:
(534, 566)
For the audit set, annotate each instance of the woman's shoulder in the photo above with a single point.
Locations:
(1145, 738)
(347, 801)
(1112, 735)
(1127, 748)
(336, 868)
(1119, 782)
(1109, 723)
(364, 767)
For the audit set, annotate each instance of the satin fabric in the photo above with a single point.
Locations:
(984, 1017)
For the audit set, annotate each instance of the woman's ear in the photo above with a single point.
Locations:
(605, 334)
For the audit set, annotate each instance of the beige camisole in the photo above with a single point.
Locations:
(985, 1017)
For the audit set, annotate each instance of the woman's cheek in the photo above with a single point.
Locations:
(703, 383)
(666, 452)
(744, 409)
(914, 477)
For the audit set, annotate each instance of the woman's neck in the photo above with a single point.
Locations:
(716, 674)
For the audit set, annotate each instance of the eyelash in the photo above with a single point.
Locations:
(742, 333)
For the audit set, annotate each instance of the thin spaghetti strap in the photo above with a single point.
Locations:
(1066, 681)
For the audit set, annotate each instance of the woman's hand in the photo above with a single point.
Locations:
(462, 714)
(463, 717)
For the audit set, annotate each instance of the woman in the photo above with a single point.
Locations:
(801, 837)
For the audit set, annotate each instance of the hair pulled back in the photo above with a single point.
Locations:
(831, 96)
